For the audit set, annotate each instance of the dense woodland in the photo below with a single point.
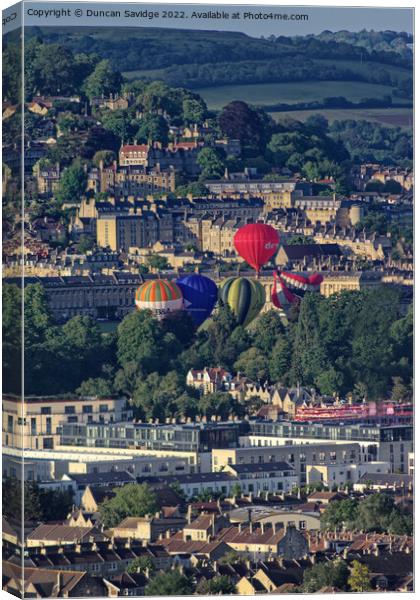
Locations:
(267, 71)
(221, 58)
(153, 48)
(356, 343)
(371, 142)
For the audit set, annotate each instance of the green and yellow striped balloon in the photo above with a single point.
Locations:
(246, 297)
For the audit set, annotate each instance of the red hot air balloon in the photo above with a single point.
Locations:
(256, 243)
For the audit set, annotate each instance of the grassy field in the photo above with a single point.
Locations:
(392, 117)
(273, 93)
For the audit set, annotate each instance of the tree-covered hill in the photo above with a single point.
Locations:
(196, 59)
(155, 48)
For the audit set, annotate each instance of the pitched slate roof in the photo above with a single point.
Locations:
(64, 533)
(176, 545)
(103, 478)
(43, 580)
(397, 563)
(244, 535)
(325, 496)
(187, 478)
(262, 467)
(201, 522)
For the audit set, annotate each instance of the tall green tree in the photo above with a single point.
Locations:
(142, 340)
(104, 80)
(219, 585)
(131, 500)
(49, 69)
(267, 328)
(104, 156)
(359, 578)
(309, 358)
(332, 573)
(219, 404)
(73, 183)
(193, 110)
(121, 124)
(171, 583)
(212, 166)
(239, 121)
(12, 338)
(37, 316)
(279, 361)
(219, 344)
(253, 364)
(156, 396)
(142, 564)
(340, 514)
(95, 386)
(153, 128)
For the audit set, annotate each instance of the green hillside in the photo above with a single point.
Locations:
(230, 65)
(276, 93)
(390, 117)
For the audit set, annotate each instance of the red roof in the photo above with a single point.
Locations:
(135, 148)
(186, 145)
(214, 373)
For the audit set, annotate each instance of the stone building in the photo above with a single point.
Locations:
(36, 423)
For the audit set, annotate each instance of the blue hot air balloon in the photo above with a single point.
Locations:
(200, 295)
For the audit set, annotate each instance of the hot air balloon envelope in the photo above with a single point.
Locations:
(315, 279)
(161, 296)
(300, 284)
(256, 243)
(200, 295)
(245, 297)
(289, 289)
(283, 298)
